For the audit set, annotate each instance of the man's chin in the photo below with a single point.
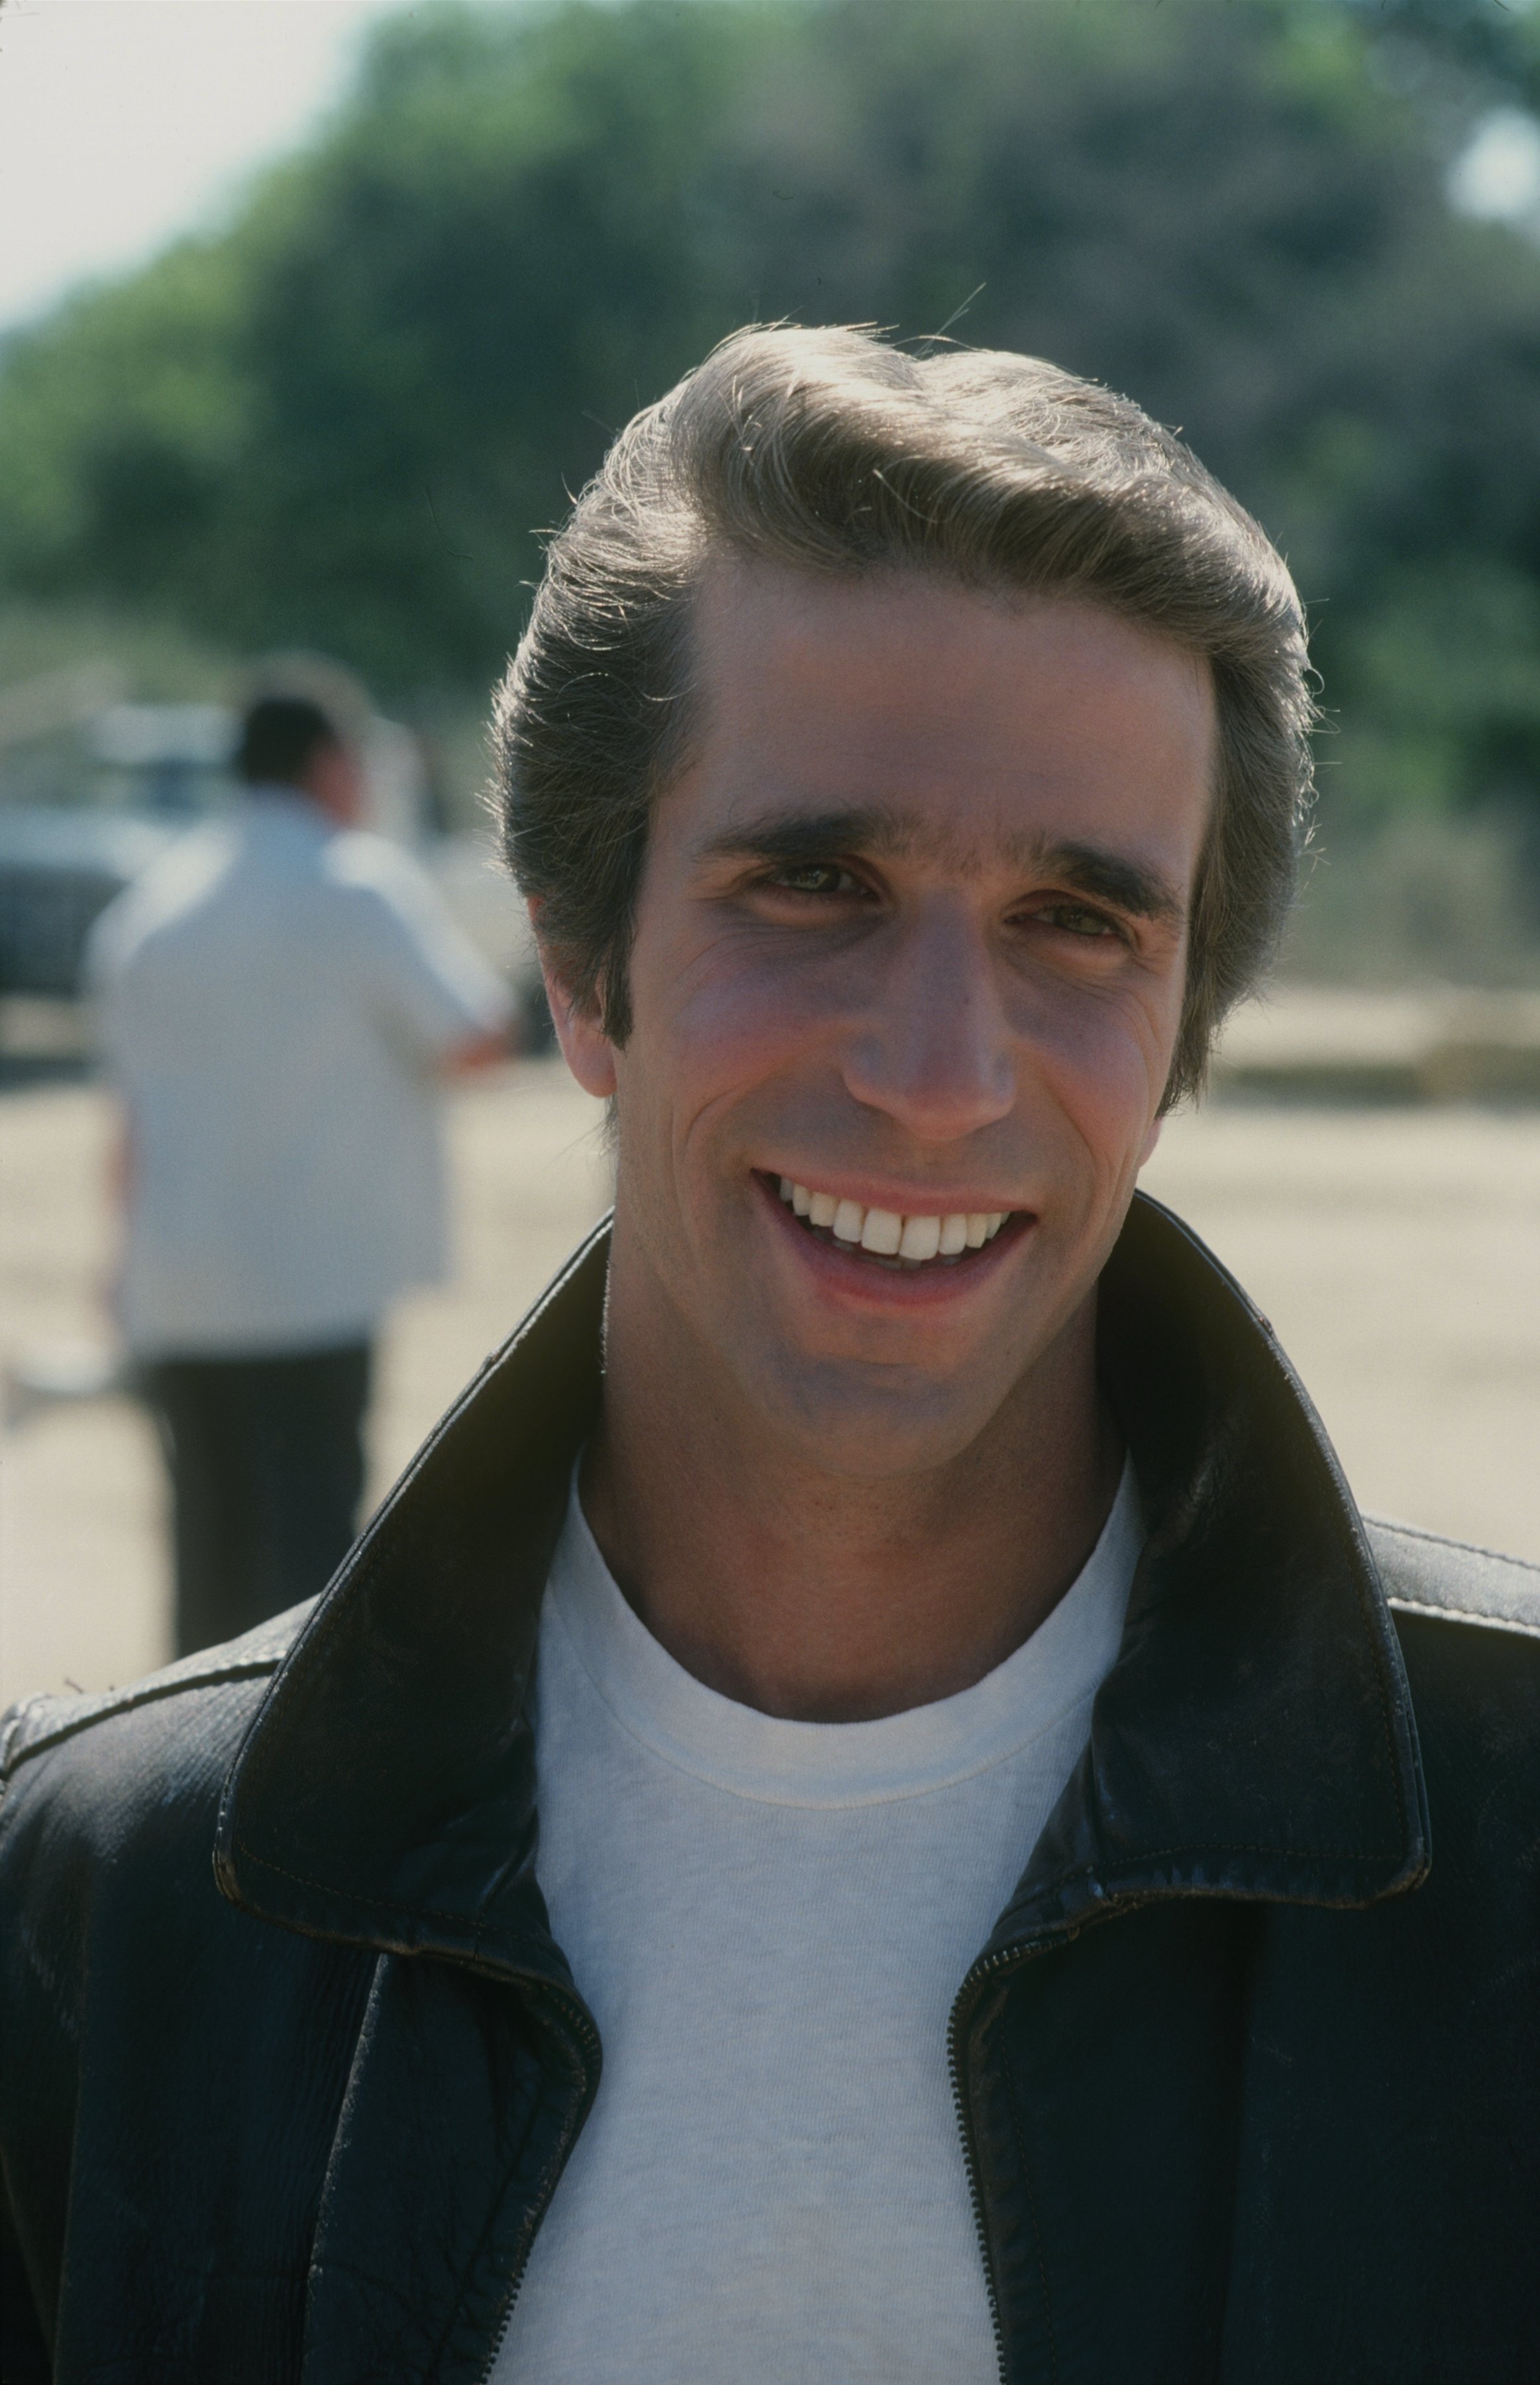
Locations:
(867, 1423)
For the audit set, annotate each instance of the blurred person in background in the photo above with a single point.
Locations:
(279, 1001)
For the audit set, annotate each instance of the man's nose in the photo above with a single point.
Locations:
(931, 1046)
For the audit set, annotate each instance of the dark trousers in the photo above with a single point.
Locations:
(265, 1457)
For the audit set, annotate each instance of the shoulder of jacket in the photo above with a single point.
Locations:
(1454, 1582)
(35, 1725)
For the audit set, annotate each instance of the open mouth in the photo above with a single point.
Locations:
(905, 1242)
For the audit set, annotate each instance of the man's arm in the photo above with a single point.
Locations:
(482, 1050)
(443, 997)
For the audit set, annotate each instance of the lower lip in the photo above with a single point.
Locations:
(843, 1270)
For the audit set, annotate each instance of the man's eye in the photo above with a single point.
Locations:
(817, 878)
(1075, 920)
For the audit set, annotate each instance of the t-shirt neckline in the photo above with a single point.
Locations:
(765, 1757)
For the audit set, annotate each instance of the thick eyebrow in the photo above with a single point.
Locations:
(810, 836)
(1132, 887)
(1111, 877)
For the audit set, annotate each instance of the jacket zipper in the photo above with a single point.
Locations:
(588, 2036)
(989, 1965)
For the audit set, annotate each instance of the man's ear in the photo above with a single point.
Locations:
(585, 1046)
(1152, 1137)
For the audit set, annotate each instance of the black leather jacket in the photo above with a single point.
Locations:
(1246, 2077)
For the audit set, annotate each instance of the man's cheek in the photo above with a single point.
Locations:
(1105, 1069)
(737, 1029)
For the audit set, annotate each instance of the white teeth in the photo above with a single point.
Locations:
(882, 1232)
(849, 1218)
(886, 1234)
(921, 1238)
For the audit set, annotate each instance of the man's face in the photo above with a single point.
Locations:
(910, 937)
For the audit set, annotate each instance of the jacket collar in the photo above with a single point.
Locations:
(1254, 1739)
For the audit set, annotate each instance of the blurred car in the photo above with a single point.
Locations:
(146, 774)
(58, 871)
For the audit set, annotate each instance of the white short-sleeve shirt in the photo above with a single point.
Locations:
(274, 997)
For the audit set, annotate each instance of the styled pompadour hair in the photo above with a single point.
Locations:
(835, 451)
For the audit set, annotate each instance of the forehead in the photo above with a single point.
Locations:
(966, 720)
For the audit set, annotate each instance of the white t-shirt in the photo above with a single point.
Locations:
(273, 998)
(770, 1921)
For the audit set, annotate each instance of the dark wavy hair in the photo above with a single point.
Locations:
(833, 451)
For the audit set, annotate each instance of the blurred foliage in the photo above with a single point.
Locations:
(159, 661)
(339, 423)
(1419, 897)
(1456, 52)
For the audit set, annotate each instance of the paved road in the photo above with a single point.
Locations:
(1398, 1253)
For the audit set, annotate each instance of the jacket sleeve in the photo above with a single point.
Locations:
(23, 2353)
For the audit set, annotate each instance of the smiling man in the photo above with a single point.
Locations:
(869, 1809)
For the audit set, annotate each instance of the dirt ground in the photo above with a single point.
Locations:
(1396, 1252)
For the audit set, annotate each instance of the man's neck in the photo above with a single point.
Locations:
(834, 1598)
